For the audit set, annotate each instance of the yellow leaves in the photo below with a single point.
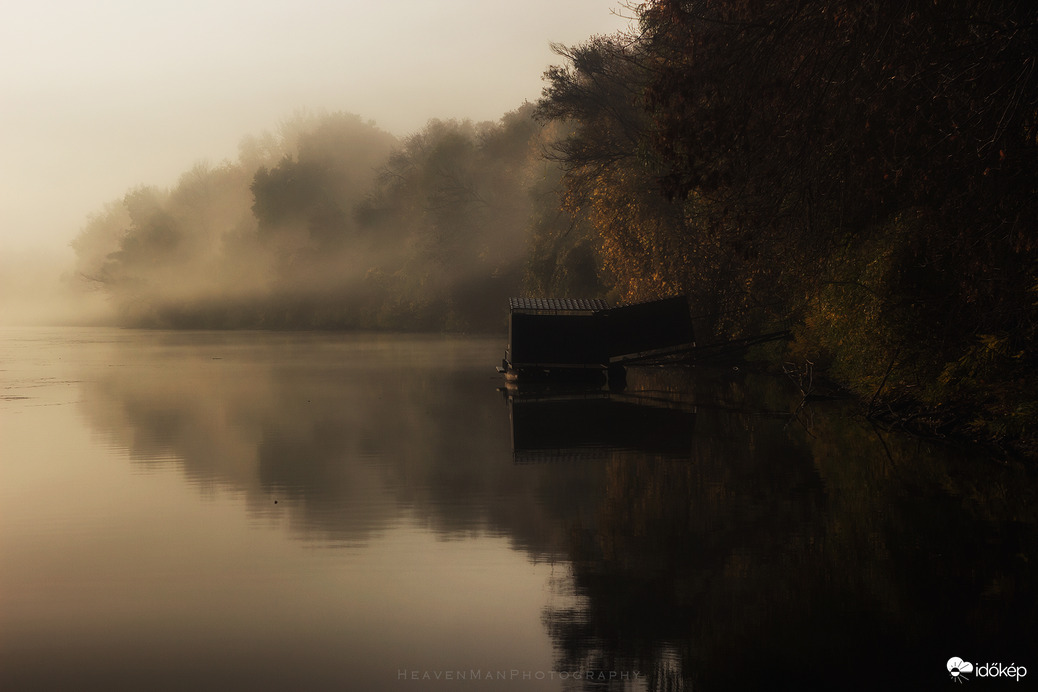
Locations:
(994, 343)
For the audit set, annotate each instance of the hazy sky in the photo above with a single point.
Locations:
(98, 96)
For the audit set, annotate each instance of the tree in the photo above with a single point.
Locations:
(866, 170)
(454, 205)
(318, 189)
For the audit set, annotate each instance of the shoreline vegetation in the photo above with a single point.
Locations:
(861, 174)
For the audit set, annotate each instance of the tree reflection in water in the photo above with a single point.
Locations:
(713, 540)
(813, 557)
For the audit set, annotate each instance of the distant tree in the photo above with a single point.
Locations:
(455, 202)
(98, 238)
(153, 238)
(319, 188)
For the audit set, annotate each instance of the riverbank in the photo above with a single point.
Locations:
(1003, 425)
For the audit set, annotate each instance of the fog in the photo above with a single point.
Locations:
(37, 287)
(331, 223)
(104, 100)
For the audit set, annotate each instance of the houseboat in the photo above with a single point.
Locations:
(577, 339)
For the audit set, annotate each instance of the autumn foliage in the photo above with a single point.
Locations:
(863, 172)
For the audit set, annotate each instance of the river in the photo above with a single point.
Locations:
(261, 511)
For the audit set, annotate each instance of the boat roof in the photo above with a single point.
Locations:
(557, 304)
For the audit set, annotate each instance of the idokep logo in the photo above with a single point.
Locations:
(960, 670)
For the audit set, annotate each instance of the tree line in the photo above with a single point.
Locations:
(861, 173)
(329, 223)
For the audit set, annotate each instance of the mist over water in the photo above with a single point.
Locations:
(39, 287)
(332, 223)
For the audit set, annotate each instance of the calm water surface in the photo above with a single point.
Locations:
(195, 511)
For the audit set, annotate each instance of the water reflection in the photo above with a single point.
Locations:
(551, 425)
(349, 434)
(351, 511)
(712, 539)
(819, 557)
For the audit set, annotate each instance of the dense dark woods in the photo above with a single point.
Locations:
(872, 167)
(862, 173)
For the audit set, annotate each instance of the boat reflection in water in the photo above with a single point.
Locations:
(569, 423)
